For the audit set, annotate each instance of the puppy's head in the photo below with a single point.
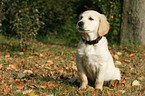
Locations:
(92, 21)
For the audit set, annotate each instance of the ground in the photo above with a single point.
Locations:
(50, 70)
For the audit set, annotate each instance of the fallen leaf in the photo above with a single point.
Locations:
(6, 91)
(116, 57)
(141, 78)
(89, 88)
(20, 86)
(74, 67)
(120, 91)
(27, 91)
(21, 53)
(127, 61)
(7, 56)
(1, 65)
(135, 83)
(123, 82)
(41, 55)
(50, 95)
(131, 55)
(118, 63)
(32, 93)
(81, 92)
(108, 93)
(115, 83)
(21, 75)
(49, 61)
(119, 53)
(31, 57)
(43, 86)
(27, 71)
(143, 89)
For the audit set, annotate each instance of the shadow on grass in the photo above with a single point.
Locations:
(6, 47)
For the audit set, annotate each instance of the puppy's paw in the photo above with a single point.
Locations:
(99, 87)
(83, 87)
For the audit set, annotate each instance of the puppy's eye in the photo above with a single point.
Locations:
(90, 18)
(81, 17)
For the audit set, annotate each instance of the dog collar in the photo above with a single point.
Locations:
(93, 41)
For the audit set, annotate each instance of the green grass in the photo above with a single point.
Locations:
(52, 65)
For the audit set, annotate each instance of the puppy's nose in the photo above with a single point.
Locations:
(81, 24)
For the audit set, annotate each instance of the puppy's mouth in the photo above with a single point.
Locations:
(82, 30)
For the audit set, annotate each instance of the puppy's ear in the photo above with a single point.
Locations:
(103, 26)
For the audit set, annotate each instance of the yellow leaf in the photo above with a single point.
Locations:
(116, 57)
(118, 63)
(119, 53)
(7, 56)
(49, 61)
(32, 93)
(27, 91)
(27, 71)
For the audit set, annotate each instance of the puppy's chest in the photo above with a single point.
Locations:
(90, 55)
(88, 51)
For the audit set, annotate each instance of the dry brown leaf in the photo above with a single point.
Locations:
(81, 92)
(120, 92)
(1, 65)
(50, 95)
(141, 78)
(143, 89)
(6, 91)
(123, 82)
(20, 86)
(115, 83)
(127, 61)
(89, 88)
(108, 93)
(43, 86)
(30, 57)
(21, 53)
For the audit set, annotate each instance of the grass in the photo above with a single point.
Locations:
(49, 70)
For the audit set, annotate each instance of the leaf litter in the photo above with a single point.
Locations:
(43, 71)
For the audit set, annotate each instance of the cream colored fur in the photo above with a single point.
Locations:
(94, 62)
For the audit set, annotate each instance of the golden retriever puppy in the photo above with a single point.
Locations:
(93, 59)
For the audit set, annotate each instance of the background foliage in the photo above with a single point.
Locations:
(54, 18)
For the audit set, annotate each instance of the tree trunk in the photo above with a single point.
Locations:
(133, 22)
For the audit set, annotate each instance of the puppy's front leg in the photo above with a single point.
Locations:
(100, 78)
(84, 80)
(82, 73)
